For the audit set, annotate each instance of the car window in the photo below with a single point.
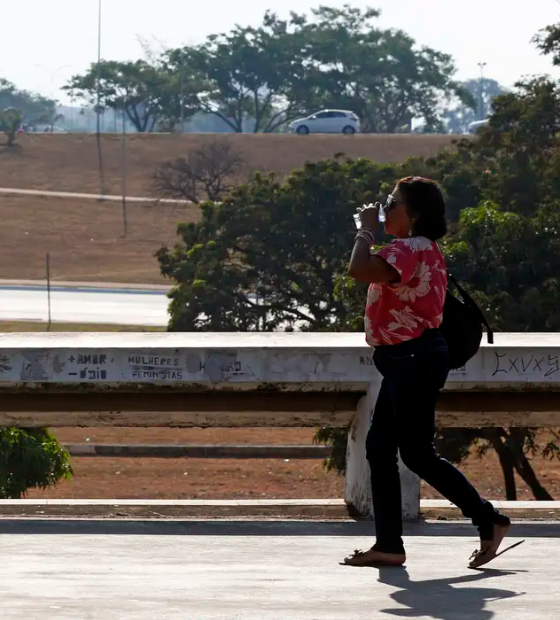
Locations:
(322, 115)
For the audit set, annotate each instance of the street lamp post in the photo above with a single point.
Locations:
(98, 107)
(98, 85)
(123, 168)
(481, 90)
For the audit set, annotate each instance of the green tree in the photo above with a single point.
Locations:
(259, 261)
(381, 75)
(261, 78)
(30, 459)
(256, 75)
(151, 94)
(31, 106)
(548, 42)
(512, 262)
(10, 123)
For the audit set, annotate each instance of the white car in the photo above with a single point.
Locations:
(327, 121)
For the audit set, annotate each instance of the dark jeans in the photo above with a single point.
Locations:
(404, 421)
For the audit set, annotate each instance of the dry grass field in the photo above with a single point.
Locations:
(84, 237)
(68, 162)
(237, 479)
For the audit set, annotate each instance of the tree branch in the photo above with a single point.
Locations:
(219, 114)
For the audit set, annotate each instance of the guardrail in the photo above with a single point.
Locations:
(261, 379)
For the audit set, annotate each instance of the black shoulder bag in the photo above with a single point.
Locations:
(462, 326)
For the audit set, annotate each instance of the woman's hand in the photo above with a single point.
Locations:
(365, 267)
(369, 215)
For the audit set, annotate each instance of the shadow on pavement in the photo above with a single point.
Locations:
(439, 599)
(255, 528)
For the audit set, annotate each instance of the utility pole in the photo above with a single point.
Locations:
(182, 98)
(123, 167)
(481, 90)
(98, 107)
(49, 291)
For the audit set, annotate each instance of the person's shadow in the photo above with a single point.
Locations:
(438, 599)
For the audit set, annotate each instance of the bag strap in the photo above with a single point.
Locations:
(471, 303)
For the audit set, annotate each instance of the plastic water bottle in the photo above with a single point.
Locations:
(382, 217)
(380, 214)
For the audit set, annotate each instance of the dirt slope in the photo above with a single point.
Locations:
(84, 237)
(69, 162)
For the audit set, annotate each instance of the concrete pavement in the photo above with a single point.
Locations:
(256, 571)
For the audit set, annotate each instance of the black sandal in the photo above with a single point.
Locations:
(373, 558)
(489, 547)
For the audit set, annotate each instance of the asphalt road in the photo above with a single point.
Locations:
(84, 305)
(70, 570)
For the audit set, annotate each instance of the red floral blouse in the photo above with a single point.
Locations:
(402, 311)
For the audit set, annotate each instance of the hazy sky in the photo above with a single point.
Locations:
(45, 43)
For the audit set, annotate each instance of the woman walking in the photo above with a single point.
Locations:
(404, 310)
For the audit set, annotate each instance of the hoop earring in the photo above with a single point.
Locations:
(410, 233)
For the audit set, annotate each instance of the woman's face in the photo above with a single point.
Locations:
(398, 222)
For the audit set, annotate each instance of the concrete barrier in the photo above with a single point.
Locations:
(261, 379)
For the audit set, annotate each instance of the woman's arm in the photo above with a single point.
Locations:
(367, 267)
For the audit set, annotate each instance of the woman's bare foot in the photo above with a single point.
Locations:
(375, 558)
(489, 548)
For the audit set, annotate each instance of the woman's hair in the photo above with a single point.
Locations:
(426, 204)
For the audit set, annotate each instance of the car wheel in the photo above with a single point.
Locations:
(303, 130)
(348, 130)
